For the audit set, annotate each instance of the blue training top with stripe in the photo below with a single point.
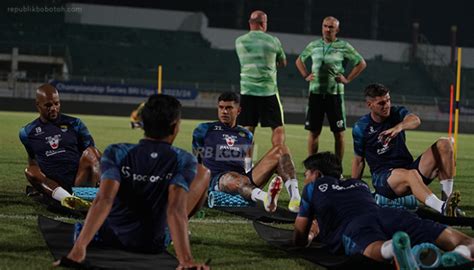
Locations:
(335, 203)
(381, 154)
(57, 146)
(145, 172)
(221, 148)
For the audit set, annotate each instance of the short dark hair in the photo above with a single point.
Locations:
(376, 90)
(326, 162)
(229, 96)
(160, 116)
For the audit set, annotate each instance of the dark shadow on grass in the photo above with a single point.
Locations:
(8, 198)
(260, 248)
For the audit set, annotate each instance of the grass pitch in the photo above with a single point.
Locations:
(229, 241)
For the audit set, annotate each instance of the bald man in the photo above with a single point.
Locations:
(61, 151)
(259, 55)
(326, 83)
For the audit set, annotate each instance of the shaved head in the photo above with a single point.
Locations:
(258, 20)
(47, 102)
(45, 90)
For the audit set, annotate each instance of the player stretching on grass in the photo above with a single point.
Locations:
(379, 138)
(222, 147)
(145, 188)
(348, 219)
(61, 151)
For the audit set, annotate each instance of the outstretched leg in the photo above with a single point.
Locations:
(39, 181)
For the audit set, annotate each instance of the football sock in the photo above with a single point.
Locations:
(258, 194)
(435, 203)
(387, 250)
(447, 186)
(292, 188)
(463, 250)
(60, 193)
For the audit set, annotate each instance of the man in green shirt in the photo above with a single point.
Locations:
(326, 83)
(259, 55)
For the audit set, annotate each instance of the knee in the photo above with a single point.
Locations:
(29, 174)
(91, 156)
(444, 145)
(204, 173)
(33, 175)
(279, 150)
(339, 135)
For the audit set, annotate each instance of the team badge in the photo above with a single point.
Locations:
(154, 155)
(54, 141)
(229, 139)
(242, 134)
(323, 187)
(63, 128)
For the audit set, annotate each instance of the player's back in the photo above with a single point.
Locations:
(336, 202)
(258, 53)
(145, 171)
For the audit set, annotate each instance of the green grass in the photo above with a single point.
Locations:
(231, 242)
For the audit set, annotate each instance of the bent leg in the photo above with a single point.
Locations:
(438, 158)
(278, 136)
(402, 181)
(88, 172)
(278, 159)
(198, 190)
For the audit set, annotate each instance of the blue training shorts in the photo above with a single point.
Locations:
(380, 226)
(380, 179)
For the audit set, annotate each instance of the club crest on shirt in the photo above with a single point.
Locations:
(229, 139)
(372, 130)
(53, 141)
(323, 187)
(63, 128)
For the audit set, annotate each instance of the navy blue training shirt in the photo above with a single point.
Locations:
(380, 154)
(57, 146)
(222, 148)
(335, 203)
(145, 172)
